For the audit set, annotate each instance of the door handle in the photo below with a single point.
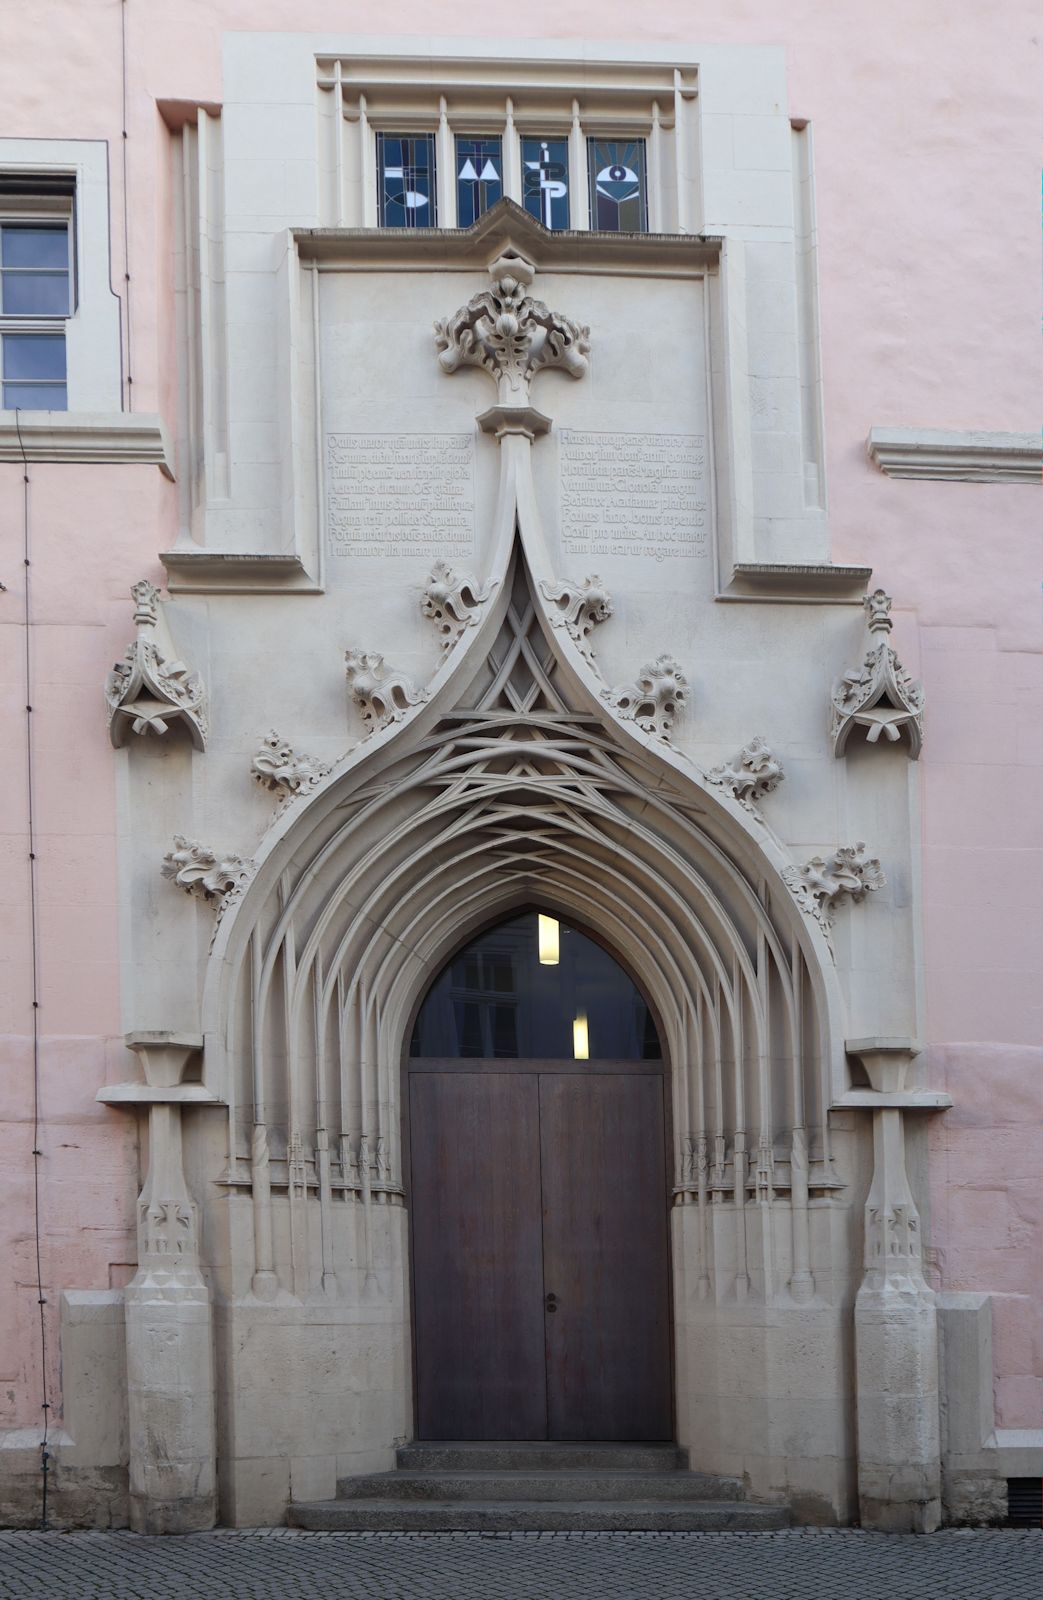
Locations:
(552, 1302)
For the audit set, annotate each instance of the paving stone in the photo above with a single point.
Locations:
(289, 1564)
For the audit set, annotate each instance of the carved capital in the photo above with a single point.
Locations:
(654, 699)
(453, 601)
(510, 335)
(878, 694)
(750, 775)
(150, 690)
(382, 694)
(578, 608)
(280, 769)
(824, 881)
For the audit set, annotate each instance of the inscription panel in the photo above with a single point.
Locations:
(400, 494)
(633, 494)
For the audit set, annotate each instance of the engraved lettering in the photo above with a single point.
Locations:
(633, 494)
(400, 494)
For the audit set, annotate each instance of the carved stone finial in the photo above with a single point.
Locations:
(754, 772)
(878, 695)
(382, 694)
(510, 335)
(150, 689)
(279, 768)
(654, 700)
(579, 607)
(823, 882)
(200, 871)
(452, 601)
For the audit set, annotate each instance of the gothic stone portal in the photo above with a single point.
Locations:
(538, 1195)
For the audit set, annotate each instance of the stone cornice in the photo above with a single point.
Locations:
(102, 438)
(956, 454)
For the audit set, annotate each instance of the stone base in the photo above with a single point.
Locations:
(184, 1515)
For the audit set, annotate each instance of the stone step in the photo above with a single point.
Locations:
(537, 1456)
(534, 1516)
(571, 1484)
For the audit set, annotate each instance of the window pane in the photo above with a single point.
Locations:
(34, 355)
(35, 294)
(35, 397)
(545, 169)
(467, 1011)
(406, 174)
(618, 190)
(22, 246)
(479, 177)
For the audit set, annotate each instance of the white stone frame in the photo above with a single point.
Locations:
(274, 164)
(92, 330)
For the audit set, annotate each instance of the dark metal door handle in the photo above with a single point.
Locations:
(552, 1302)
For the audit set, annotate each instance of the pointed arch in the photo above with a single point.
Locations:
(515, 786)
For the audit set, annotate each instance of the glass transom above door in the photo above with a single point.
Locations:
(534, 987)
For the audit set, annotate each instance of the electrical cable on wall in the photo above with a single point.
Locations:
(37, 1153)
(126, 205)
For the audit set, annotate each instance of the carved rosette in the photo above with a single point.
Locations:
(823, 882)
(654, 699)
(382, 694)
(510, 335)
(878, 695)
(453, 601)
(279, 768)
(150, 690)
(200, 871)
(578, 608)
(751, 774)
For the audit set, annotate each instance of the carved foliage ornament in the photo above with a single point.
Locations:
(279, 768)
(754, 772)
(452, 601)
(510, 335)
(150, 689)
(382, 694)
(200, 871)
(654, 700)
(823, 882)
(879, 695)
(579, 607)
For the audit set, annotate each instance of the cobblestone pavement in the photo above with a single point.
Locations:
(281, 1564)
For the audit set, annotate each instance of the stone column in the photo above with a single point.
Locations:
(896, 1332)
(170, 1378)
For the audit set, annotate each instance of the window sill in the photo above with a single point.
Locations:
(86, 436)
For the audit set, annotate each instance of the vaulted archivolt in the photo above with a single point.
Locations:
(515, 793)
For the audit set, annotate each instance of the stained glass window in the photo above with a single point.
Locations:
(545, 174)
(618, 189)
(406, 179)
(479, 177)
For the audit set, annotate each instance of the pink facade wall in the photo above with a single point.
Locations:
(925, 121)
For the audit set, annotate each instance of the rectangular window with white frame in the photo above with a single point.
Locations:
(37, 290)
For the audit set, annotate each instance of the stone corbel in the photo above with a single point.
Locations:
(382, 694)
(511, 336)
(896, 1335)
(750, 775)
(150, 690)
(283, 771)
(215, 878)
(453, 601)
(653, 701)
(578, 608)
(170, 1388)
(878, 695)
(823, 882)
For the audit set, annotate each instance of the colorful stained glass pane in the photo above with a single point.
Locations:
(545, 180)
(406, 178)
(479, 177)
(618, 187)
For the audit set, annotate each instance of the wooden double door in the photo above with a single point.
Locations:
(540, 1261)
